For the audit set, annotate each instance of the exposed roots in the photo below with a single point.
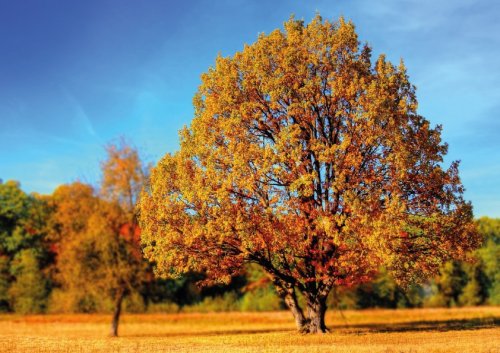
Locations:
(310, 328)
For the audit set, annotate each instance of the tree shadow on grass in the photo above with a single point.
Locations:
(359, 329)
(426, 325)
(213, 333)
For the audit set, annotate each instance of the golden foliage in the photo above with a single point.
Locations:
(310, 160)
(123, 174)
(97, 237)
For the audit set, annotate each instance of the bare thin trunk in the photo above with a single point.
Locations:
(116, 314)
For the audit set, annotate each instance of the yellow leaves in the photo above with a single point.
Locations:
(304, 185)
(299, 144)
(123, 175)
(73, 204)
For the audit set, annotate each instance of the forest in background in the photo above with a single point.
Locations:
(78, 250)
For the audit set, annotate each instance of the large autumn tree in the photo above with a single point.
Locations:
(310, 160)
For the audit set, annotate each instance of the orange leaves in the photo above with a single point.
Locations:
(97, 236)
(123, 175)
(308, 159)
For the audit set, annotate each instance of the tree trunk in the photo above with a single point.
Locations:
(316, 306)
(287, 293)
(293, 305)
(316, 309)
(116, 314)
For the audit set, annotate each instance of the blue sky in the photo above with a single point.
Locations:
(75, 75)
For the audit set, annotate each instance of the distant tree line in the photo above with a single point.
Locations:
(78, 250)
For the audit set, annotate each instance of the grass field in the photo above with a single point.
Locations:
(419, 330)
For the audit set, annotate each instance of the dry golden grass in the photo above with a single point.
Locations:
(422, 330)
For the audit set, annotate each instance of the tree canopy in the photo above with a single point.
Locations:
(24, 252)
(309, 159)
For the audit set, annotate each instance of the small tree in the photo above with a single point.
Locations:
(29, 291)
(123, 177)
(73, 205)
(99, 254)
(312, 162)
(489, 256)
(25, 256)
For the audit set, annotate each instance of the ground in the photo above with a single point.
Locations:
(418, 330)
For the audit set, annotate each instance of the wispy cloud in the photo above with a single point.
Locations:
(80, 117)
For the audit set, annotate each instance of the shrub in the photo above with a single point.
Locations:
(229, 301)
(261, 299)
